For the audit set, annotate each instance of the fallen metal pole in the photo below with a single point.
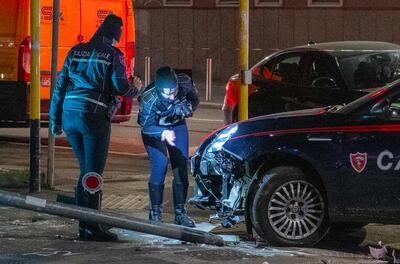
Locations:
(114, 220)
(54, 57)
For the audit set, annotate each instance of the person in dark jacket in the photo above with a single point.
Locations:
(164, 106)
(82, 105)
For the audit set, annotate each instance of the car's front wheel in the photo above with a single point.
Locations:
(290, 208)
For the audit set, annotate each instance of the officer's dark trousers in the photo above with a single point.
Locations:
(158, 154)
(89, 136)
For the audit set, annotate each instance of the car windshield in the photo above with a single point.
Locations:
(369, 69)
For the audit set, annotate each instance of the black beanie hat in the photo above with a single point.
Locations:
(166, 78)
(110, 28)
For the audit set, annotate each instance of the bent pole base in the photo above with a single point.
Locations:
(114, 220)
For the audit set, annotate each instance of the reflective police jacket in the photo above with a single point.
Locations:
(92, 74)
(153, 106)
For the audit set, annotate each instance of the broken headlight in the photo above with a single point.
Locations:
(216, 160)
(219, 141)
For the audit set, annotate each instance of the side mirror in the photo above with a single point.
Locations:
(324, 83)
(380, 109)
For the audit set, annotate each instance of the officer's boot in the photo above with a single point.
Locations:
(156, 192)
(180, 193)
(91, 231)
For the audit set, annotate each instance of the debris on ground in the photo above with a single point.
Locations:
(381, 252)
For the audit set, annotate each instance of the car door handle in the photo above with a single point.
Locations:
(319, 139)
(326, 137)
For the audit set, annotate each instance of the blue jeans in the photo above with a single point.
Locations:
(89, 136)
(158, 154)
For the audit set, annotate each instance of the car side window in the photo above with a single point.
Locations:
(286, 69)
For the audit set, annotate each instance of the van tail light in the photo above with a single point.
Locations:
(123, 113)
(232, 93)
(130, 58)
(126, 106)
(24, 60)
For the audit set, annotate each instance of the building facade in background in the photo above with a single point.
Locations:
(184, 33)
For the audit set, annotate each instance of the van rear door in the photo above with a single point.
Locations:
(13, 92)
(68, 36)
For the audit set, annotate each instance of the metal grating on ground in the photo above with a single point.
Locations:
(125, 202)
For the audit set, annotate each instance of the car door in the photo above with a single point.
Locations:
(371, 163)
(277, 80)
(321, 80)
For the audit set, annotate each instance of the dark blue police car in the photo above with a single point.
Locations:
(293, 174)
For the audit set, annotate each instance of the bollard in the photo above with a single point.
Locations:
(147, 71)
(54, 56)
(209, 80)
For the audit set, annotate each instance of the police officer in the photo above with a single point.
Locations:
(164, 106)
(82, 105)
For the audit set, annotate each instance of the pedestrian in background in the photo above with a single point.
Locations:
(164, 106)
(83, 103)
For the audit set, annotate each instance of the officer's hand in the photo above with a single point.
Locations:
(169, 136)
(55, 129)
(137, 82)
(187, 109)
(183, 109)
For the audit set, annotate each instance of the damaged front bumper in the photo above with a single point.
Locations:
(220, 185)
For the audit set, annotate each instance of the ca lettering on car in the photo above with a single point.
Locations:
(385, 161)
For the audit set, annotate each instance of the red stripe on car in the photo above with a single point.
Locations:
(347, 129)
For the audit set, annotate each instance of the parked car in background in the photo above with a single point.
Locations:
(315, 75)
(293, 174)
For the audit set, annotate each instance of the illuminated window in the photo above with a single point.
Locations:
(325, 3)
(223, 3)
(268, 2)
(178, 2)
